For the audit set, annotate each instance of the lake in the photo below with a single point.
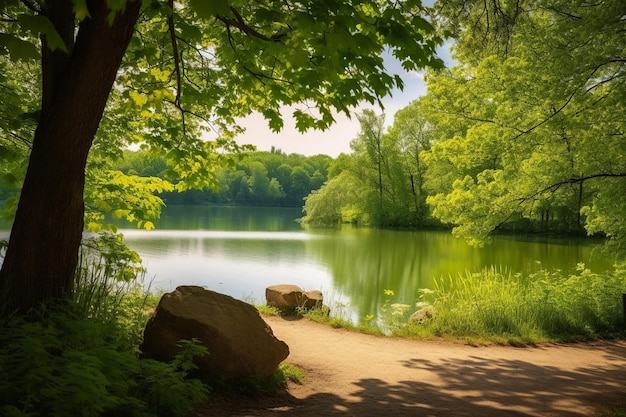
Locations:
(240, 251)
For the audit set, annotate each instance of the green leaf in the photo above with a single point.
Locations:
(80, 9)
(208, 9)
(42, 25)
(274, 119)
(19, 49)
(303, 121)
(138, 98)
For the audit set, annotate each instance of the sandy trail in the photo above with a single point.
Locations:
(353, 374)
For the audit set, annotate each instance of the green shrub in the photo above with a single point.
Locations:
(63, 365)
(80, 357)
(522, 308)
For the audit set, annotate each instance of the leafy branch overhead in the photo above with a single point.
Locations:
(194, 67)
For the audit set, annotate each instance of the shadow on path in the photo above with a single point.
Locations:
(473, 386)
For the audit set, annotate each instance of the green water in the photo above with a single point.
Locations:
(240, 251)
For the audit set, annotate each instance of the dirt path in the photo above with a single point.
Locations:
(353, 374)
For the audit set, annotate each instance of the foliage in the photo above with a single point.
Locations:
(340, 200)
(172, 78)
(338, 320)
(266, 310)
(259, 385)
(508, 138)
(64, 365)
(236, 58)
(526, 133)
(258, 179)
(79, 357)
(381, 181)
(18, 118)
(291, 373)
(524, 308)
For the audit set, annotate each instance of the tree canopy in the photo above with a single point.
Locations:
(381, 181)
(529, 122)
(269, 179)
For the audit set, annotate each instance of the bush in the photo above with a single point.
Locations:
(80, 357)
(544, 305)
(64, 365)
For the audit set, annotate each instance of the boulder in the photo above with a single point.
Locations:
(239, 341)
(286, 297)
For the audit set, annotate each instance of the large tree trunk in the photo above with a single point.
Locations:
(45, 239)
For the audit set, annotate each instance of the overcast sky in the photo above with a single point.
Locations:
(336, 139)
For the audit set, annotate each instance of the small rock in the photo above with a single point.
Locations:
(285, 297)
(421, 315)
(314, 299)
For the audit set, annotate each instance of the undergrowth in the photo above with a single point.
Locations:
(80, 356)
(499, 306)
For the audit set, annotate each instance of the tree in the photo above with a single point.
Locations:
(526, 128)
(300, 183)
(378, 163)
(369, 144)
(412, 135)
(386, 171)
(263, 189)
(181, 67)
(340, 200)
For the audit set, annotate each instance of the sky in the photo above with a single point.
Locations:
(337, 138)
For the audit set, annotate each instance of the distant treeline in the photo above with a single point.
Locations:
(270, 179)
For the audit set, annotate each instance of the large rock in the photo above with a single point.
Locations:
(286, 297)
(240, 343)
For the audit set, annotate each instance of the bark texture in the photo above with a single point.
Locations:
(43, 248)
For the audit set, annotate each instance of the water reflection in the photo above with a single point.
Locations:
(365, 262)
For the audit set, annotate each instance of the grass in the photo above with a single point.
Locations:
(292, 373)
(496, 306)
(66, 359)
(266, 310)
(338, 321)
(336, 316)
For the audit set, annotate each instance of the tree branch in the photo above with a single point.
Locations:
(552, 188)
(240, 24)
(177, 65)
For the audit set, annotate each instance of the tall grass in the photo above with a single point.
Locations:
(495, 304)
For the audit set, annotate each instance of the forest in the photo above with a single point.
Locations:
(269, 179)
(490, 148)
